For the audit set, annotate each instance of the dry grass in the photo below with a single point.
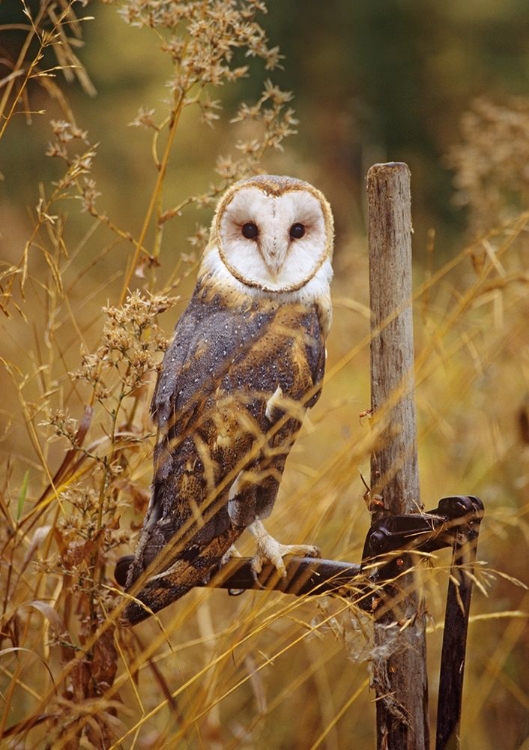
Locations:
(79, 353)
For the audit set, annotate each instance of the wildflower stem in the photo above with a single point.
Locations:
(155, 195)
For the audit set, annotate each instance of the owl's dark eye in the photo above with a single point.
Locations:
(250, 230)
(297, 231)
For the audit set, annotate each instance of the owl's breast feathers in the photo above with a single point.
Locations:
(229, 402)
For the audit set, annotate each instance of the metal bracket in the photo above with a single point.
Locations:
(389, 539)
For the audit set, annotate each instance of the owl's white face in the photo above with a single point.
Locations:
(273, 234)
(276, 243)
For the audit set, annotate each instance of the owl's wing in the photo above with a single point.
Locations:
(290, 360)
(229, 402)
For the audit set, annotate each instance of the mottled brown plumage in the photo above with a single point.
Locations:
(242, 369)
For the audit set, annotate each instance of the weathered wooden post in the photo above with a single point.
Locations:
(399, 661)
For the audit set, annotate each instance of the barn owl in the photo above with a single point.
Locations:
(246, 362)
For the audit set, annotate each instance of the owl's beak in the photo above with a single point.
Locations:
(273, 267)
(273, 256)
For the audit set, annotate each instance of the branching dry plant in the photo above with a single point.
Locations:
(490, 163)
(81, 298)
(82, 513)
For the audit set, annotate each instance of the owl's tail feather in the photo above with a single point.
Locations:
(194, 567)
(156, 595)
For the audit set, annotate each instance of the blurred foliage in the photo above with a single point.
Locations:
(90, 206)
(373, 81)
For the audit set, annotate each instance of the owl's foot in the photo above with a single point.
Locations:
(271, 552)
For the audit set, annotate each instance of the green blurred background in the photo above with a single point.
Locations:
(374, 80)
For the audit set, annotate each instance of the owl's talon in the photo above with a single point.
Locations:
(271, 552)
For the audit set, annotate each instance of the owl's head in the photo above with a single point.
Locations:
(273, 234)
